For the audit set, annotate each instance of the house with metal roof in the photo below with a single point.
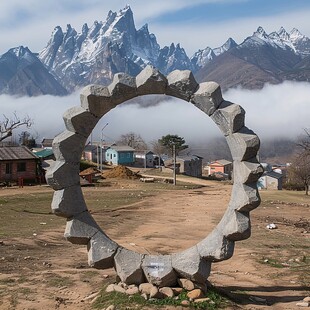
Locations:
(18, 164)
(221, 166)
(120, 155)
(190, 165)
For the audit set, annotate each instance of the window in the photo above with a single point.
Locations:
(128, 155)
(21, 167)
(8, 168)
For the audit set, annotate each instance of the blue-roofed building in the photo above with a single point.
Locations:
(120, 155)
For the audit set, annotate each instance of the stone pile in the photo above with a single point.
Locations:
(194, 292)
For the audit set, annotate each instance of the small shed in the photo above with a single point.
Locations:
(270, 180)
(120, 155)
(18, 164)
(188, 165)
(144, 159)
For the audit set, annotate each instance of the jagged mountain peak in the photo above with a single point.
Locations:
(295, 33)
(20, 51)
(283, 34)
(260, 33)
(229, 44)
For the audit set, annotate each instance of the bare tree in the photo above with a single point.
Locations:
(7, 125)
(304, 142)
(299, 170)
(133, 140)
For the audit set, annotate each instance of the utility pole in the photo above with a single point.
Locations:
(101, 146)
(174, 166)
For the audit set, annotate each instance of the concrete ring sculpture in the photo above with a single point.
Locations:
(68, 201)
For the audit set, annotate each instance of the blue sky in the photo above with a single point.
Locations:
(195, 24)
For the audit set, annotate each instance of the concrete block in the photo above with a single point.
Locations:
(208, 97)
(215, 247)
(235, 225)
(151, 81)
(97, 100)
(188, 264)
(158, 270)
(69, 201)
(81, 228)
(229, 117)
(181, 84)
(247, 171)
(62, 175)
(80, 121)
(101, 251)
(243, 144)
(122, 88)
(68, 146)
(128, 266)
(244, 197)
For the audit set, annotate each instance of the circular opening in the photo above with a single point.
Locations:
(157, 217)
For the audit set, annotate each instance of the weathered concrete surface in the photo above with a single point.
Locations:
(208, 97)
(181, 84)
(188, 264)
(247, 172)
(68, 146)
(101, 251)
(81, 228)
(128, 265)
(229, 117)
(151, 81)
(80, 121)
(96, 99)
(158, 270)
(69, 201)
(215, 247)
(243, 144)
(122, 88)
(63, 175)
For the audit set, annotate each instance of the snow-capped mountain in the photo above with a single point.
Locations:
(22, 73)
(94, 54)
(261, 58)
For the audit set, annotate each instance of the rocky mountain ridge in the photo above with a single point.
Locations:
(72, 59)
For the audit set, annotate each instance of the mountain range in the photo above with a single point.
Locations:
(72, 59)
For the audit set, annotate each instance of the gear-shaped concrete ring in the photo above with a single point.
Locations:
(68, 201)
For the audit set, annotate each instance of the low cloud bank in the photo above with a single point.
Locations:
(275, 111)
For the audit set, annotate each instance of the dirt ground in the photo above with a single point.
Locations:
(268, 271)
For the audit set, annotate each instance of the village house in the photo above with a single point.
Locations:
(47, 143)
(120, 155)
(144, 159)
(187, 165)
(221, 166)
(18, 164)
(270, 180)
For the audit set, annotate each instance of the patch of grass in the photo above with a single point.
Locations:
(123, 301)
(8, 281)
(272, 262)
(58, 281)
(285, 196)
(88, 274)
(28, 212)
(120, 300)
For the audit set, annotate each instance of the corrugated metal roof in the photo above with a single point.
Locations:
(122, 148)
(16, 152)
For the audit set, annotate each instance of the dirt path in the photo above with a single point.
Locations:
(45, 271)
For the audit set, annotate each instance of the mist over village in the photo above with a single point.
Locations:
(154, 155)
